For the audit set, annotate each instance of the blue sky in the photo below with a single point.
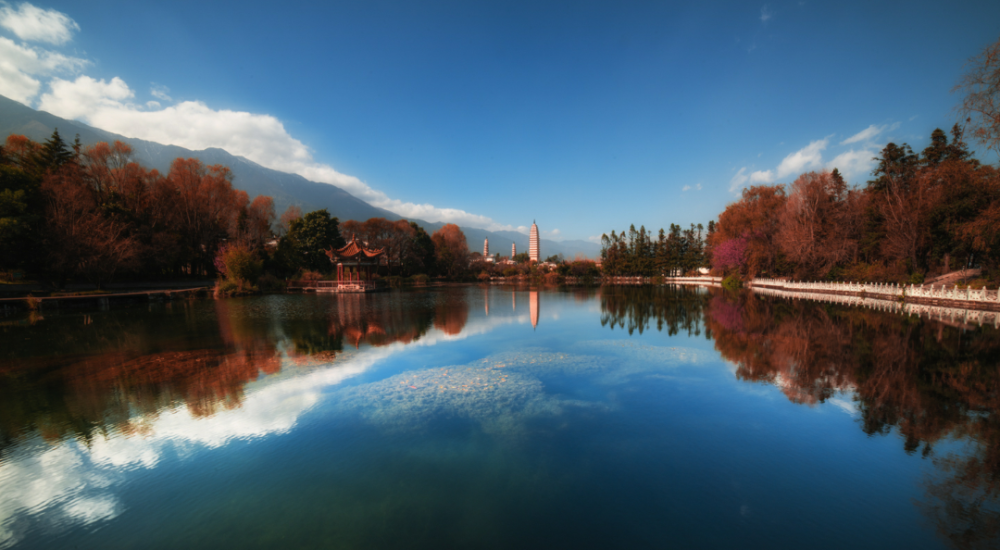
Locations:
(586, 116)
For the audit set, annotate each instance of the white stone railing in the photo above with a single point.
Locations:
(714, 281)
(884, 290)
(939, 313)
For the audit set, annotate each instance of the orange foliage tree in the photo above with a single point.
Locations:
(755, 218)
(451, 251)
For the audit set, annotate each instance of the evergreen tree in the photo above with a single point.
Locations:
(312, 235)
(55, 153)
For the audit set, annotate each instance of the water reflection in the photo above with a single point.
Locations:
(929, 381)
(605, 425)
(76, 375)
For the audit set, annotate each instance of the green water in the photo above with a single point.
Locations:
(477, 417)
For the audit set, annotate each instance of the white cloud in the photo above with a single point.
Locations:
(686, 188)
(738, 181)
(853, 163)
(765, 14)
(864, 135)
(19, 64)
(762, 176)
(810, 156)
(152, 104)
(594, 239)
(15, 84)
(260, 138)
(160, 91)
(31, 23)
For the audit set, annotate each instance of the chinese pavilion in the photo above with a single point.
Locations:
(360, 263)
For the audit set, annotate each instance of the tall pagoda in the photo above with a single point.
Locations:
(533, 249)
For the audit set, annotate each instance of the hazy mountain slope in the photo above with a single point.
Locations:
(286, 189)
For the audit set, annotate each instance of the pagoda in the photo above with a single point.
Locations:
(361, 263)
(534, 251)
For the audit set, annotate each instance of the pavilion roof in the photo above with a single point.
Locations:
(355, 249)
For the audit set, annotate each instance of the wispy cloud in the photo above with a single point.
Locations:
(35, 24)
(159, 91)
(870, 133)
(864, 135)
(765, 14)
(809, 157)
(738, 180)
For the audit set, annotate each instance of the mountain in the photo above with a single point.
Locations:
(286, 189)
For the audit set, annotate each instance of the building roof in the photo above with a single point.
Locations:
(355, 250)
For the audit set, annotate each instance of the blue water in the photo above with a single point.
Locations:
(422, 419)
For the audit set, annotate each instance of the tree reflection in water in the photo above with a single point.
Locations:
(926, 379)
(114, 373)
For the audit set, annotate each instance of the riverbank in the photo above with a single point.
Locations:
(943, 302)
(102, 300)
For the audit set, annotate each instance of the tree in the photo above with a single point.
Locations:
(203, 210)
(80, 240)
(54, 152)
(420, 254)
(20, 216)
(451, 251)
(755, 218)
(394, 237)
(981, 102)
(284, 224)
(313, 234)
(815, 229)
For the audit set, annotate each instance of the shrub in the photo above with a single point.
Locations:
(238, 263)
(230, 287)
(420, 279)
(732, 282)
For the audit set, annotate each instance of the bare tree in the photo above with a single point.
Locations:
(981, 105)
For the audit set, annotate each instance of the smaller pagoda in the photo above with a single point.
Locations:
(360, 262)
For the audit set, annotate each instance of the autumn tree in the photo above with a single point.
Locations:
(203, 210)
(980, 105)
(80, 240)
(816, 224)
(293, 212)
(395, 237)
(755, 218)
(451, 251)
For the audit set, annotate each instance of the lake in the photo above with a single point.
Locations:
(491, 417)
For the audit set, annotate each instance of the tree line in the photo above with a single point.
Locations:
(920, 215)
(71, 213)
(638, 254)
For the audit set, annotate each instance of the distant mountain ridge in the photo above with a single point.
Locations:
(286, 189)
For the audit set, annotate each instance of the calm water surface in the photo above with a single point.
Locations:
(497, 418)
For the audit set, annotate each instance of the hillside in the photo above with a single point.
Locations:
(286, 189)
